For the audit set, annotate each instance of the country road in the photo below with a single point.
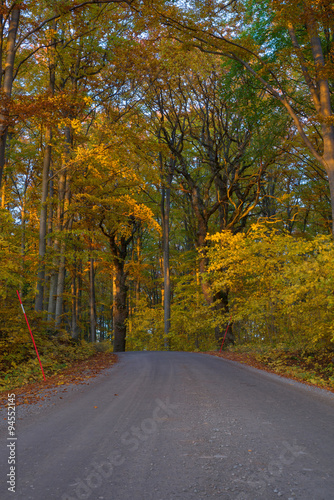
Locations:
(174, 425)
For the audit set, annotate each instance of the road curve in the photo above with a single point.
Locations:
(174, 425)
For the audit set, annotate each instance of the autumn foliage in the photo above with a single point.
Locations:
(281, 287)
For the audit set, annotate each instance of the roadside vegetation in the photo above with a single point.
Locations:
(313, 367)
(19, 365)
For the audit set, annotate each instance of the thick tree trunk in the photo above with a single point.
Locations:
(324, 105)
(219, 301)
(8, 83)
(119, 250)
(222, 306)
(328, 155)
(120, 310)
(102, 320)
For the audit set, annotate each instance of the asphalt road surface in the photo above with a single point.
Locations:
(173, 425)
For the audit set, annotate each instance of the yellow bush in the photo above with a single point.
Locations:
(281, 288)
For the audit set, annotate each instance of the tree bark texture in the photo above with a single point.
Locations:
(63, 224)
(8, 83)
(74, 319)
(165, 211)
(43, 222)
(218, 301)
(45, 188)
(120, 310)
(92, 303)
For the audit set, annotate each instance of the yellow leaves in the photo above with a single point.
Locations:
(140, 211)
(100, 163)
(88, 100)
(280, 283)
(75, 124)
(109, 189)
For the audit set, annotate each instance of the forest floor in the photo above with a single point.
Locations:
(312, 368)
(79, 372)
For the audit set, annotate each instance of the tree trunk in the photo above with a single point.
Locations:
(64, 202)
(325, 104)
(53, 289)
(92, 303)
(53, 277)
(45, 188)
(60, 286)
(119, 251)
(202, 231)
(120, 310)
(43, 222)
(222, 296)
(8, 83)
(165, 211)
(221, 306)
(74, 320)
(79, 299)
(23, 234)
(113, 299)
(330, 173)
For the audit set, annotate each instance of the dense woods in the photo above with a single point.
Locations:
(166, 170)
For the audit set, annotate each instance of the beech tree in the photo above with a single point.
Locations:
(214, 151)
(287, 47)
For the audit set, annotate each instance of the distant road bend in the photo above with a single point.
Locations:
(175, 425)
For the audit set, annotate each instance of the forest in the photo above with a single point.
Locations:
(166, 177)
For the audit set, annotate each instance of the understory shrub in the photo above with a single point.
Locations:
(281, 287)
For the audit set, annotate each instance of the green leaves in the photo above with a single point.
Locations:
(262, 28)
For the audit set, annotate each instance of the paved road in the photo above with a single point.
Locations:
(172, 425)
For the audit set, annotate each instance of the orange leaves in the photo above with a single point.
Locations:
(46, 107)
(77, 373)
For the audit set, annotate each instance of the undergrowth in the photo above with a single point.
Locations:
(309, 364)
(19, 364)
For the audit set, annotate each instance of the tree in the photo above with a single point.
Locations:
(286, 47)
(216, 150)
(10, 16)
